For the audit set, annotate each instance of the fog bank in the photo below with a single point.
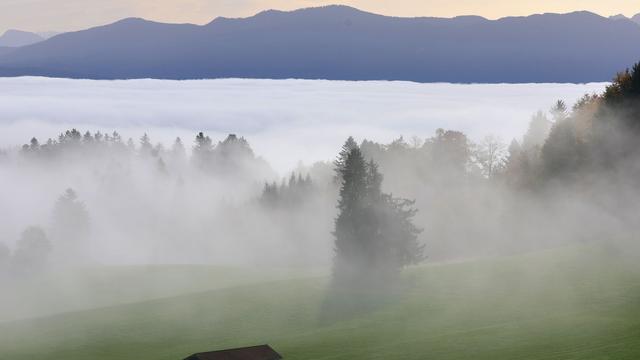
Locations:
(286, 121)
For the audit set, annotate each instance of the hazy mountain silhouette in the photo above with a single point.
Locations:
(635, 18)
(618, 17)
(16, 38)
(339, 42)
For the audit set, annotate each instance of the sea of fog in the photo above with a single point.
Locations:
(285, 121)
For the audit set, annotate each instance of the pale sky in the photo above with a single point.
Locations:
(67, 15)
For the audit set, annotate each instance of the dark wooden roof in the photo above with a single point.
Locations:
(260, 352)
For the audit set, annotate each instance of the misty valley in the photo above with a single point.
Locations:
(452, 244)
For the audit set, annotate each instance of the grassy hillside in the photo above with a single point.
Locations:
(564, 304)
(72, 290)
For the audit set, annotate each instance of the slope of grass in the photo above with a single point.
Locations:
(73, 290)
(570, 304)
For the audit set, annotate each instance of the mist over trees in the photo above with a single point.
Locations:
(32, 251)
(5, 257)
(100, 198)
(290, 193)
(70, 227)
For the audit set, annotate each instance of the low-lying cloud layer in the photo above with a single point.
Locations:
(285, 121)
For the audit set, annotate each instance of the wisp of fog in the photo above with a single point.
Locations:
(286, 121)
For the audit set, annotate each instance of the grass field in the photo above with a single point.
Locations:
(72, 290)
(573, 303)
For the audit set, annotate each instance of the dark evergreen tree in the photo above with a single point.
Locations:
(374, 235)
(291, 193)
(202, 151)
(352, 223)
(340, 161)
(70, 138)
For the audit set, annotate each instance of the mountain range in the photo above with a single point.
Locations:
(342, 43)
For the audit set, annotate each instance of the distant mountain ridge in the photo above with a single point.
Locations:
(17, 38)
(342, 43)
(635, 18)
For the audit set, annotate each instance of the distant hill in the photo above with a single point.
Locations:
(343, 43)
(16, 38)
(636, 19)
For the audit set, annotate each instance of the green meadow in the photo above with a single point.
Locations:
(571, 303)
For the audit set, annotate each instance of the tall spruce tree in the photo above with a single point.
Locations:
(351, 223)
(340, 161)
(374, 233)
